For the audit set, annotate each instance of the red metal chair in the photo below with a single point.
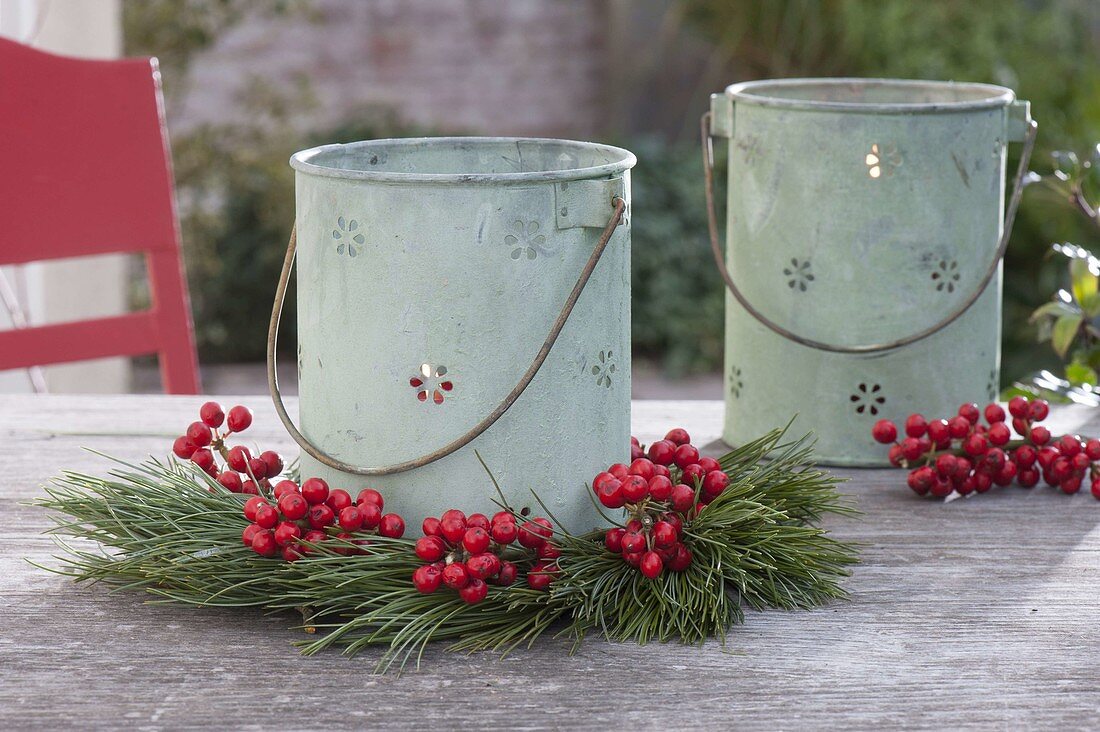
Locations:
(84, 170)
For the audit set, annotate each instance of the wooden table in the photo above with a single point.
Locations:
(981, 613)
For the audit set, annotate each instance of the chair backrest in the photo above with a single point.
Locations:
(84, 170)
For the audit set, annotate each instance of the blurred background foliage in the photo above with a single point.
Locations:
(236, 189)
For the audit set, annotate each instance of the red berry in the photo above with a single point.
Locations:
(1040, 435)
(283, 487)
(1081, 461)
(549, 550)
(370, 495)
(267, 516)
(994, 413)
(999, 433)
(613, 540)
(315, 491)
(636, 451)
(660, 488)
(941, 488)
(453, 528)
(633, 558)
(966, 486)
(619, 471)
(249, 533)
(884, 431)
(895, 456)
(199, 434)
(540, 576)
(709, 464)
(454, 513)
(251, 505)
(683, 498)
(665, 534)
(1096, 489)
(678, 436)
(920, 480)
(264, 544)
(314, 537)
(372, 515)
(483, 566)
(693, 474)
(250, 488)
(661, 452)
(911, 448)
(915, 425)
(203, 458)
(230, 481)
(634, 525)
(211, 414)
(391, 526)
(663, 471)
(534, 533)
(1018, 407)
(474, 592)
(970, 413)
(184, 448)
(478, 520)
(601, 479)
(274, 462)
(1025, 455)
(635, 488)
(959, 427)
(1071, 484)
(430, 548)
(257, 467)
(1060, 469)
(430, 527)
(507, 573)
(939, 433)
(1092, 449)
(476, 540)
(643, 467)
(239, 419)
(427, 579)
(456, 576)
(238, 458)
(293, 506)
(1038, 410)
(287, 532)
(685, 455)
(946, 465)
(1006, 474)
(338, 499)
(633, 542)
(652, 565)
(714, 483)
(1027, 477)
(321, 516)
(681, 559)
(350, 519)
(976, 445)
(504, 531)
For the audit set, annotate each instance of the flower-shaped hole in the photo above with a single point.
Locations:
(430, 383)
(946, 276)
(868, 398)
(604, 369)
(882, 160)
(799, 274)
(348, 237)
(736, 383)
(526, 241)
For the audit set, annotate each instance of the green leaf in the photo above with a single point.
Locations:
(1090, 304)
(1065, 330)
(1054, 309)
(1079, 373)
(1082, 279)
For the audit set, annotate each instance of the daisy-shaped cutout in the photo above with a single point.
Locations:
(431, 383)
(882, 160)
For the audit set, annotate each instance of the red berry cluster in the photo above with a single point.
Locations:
(962, 455)
(205, 440)
(312, 513)
(466, 553)
(661, 488)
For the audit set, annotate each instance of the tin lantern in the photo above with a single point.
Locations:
(865, 233)
(457, 298)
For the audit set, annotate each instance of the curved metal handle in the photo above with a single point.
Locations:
(555, 330)
(719, 256)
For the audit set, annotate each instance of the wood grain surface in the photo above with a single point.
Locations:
(981, 613)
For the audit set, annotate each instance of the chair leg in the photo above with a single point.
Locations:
(178, 363)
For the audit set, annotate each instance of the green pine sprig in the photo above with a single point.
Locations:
(169, 529)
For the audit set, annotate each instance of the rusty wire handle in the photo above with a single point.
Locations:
(619, 206)
(719, 256)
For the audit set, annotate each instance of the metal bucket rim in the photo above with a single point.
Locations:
(755, 92)
(302, 162)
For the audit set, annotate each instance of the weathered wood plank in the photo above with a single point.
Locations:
(979, 614)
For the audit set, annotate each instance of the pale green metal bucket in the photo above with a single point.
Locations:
(460, 296)
(866, 227)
